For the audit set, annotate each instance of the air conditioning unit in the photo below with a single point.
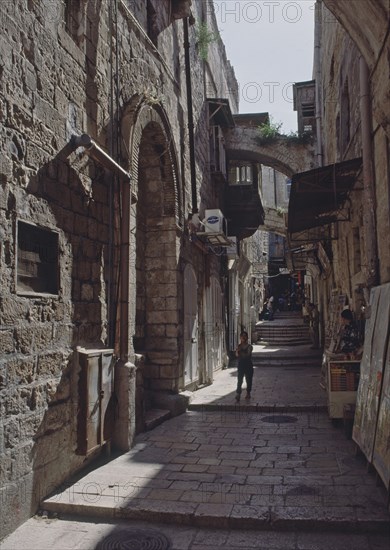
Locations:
(214, 222)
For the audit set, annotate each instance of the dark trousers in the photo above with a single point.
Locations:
(246, 372)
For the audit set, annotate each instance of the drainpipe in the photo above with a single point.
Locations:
(275, 192)
(371, 249)
(112, 182)
(190, 115)
(317, 75)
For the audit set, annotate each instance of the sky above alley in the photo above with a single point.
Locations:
(270, 45)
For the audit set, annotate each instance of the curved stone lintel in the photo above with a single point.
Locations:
(283, 154)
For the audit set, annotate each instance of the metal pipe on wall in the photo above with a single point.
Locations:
(191, 138)
(317, 76)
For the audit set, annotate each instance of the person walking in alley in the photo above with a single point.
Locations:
(245, 366)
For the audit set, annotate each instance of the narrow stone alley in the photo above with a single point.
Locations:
(269, 473)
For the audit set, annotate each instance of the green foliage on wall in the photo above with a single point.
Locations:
(205, 37)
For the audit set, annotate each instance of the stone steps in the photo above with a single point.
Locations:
(285, 362)
(148, 482)
(154, 417)
(283, 332)
(270, 518)
(284, 342)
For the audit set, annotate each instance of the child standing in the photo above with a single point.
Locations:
(245, 366)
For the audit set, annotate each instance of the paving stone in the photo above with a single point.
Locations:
(246, 516)
(156, 510)
(325, 541)
(210, 461)
(164, 494)
(70, 534)
(219, 513)
(213, 538)
(259, 540)
(304, 477)
(185, 485)
(223, 469)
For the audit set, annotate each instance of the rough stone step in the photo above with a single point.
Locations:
(193, 514)
(279, 335)
(154, 417)
(274, 342)
(287, 362)
(283, 330)
(288, 316)
(250, 406)
(265, 335)
(283, 342)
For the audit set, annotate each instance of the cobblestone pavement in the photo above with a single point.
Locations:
(73, 534)
(274, 387)
(272, 474)
(233, 469)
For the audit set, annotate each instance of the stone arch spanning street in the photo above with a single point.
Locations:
(284, 154)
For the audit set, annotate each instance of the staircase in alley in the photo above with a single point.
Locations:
(287, 329)
(285, 340)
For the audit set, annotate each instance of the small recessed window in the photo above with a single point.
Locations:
(241, 175)
(308, 110)
(74, 19)
(37, 260)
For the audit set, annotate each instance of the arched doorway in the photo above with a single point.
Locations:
(155, 252)
(214, 328)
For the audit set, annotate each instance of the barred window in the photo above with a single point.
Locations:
(37, 259)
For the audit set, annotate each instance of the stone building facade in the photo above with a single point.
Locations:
(339, 213)
(352, 138)
(107, 302)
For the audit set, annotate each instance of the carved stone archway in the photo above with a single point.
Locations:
(154, 228)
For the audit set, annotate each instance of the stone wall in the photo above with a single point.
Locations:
(341, 108)
(45, 98)
(57, 81)
(373, 43)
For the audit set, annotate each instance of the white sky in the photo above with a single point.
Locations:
(270, 45)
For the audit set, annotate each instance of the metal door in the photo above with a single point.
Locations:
(190, 326)
(213, 323)
(95, 391)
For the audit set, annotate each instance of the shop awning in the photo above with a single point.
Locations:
(318, 196)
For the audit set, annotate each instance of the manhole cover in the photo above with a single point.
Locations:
(282, 419)
(135, 539)
(301, 490)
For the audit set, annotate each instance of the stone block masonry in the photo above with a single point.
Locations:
(55, 83)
